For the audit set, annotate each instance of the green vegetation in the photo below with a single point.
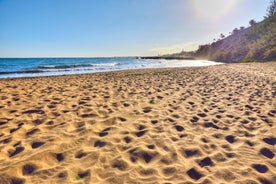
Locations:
(271, 10)
(255, 43)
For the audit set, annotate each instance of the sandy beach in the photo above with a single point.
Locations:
(213, 124)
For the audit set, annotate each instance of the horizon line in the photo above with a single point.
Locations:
(71, 57)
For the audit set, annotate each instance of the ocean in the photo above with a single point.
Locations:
(33, 67)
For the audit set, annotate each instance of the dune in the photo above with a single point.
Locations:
(212, 124)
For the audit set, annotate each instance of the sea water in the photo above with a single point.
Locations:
(33, 67)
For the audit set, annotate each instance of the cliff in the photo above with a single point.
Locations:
(255, 43)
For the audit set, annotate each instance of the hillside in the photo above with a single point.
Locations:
(255, 43)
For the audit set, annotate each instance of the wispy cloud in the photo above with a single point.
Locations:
(191, 46)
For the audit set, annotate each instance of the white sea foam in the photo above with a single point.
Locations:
(68, 66)
(183, 63)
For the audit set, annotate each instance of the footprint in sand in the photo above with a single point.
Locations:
(206, 162)
(37, 144)
(99, 144)
(80, 154)
(59, 157)
(120, 164)
(194, 174)
(267, 153)
(28, 169)
(230, 138)
(270, 140)
(84, 174)
(18, 150)
(260, 168)
(127, 139)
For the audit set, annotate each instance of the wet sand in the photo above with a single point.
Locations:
(206, 125)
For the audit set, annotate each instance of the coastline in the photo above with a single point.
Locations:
(167, 57)
(33, 67)
(111, 72)
(206, 124)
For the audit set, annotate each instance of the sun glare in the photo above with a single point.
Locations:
(213, 10)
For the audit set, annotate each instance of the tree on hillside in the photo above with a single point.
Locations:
(235, 31)
(222, 36)
(252, 22)
(271, 10)
(242, 28)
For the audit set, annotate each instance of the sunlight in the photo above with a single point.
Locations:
(213, 10)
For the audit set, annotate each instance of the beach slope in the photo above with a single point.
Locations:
(212, 124)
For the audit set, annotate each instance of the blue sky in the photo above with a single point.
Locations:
(90, 28)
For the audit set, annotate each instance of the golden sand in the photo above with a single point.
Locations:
(211, 124)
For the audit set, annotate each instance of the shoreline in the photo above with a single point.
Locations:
(114, 71)
(190, 124)
(167, 57)
(69, 66)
